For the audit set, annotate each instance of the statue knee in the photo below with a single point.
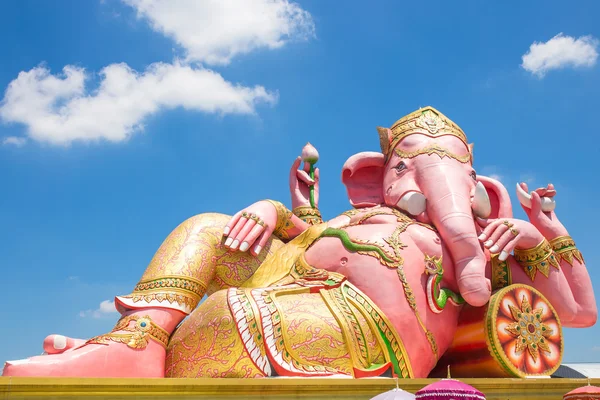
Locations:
(205, 221)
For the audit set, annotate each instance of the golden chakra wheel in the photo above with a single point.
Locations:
(524, 330)
(517, 334)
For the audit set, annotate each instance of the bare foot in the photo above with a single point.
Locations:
(136, 348)
(94, 360)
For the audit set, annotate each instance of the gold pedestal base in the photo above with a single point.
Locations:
(271, 388)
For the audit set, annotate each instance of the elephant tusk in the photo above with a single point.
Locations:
(413, 202)
(481, 202)
(548, 203)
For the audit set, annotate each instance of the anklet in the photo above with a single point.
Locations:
(143, 330)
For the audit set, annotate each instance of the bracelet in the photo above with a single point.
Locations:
(501, 276)
(139, 334)
(351, 213)
(311, 216)
(539, 258)
(284, 220)
(564, 247)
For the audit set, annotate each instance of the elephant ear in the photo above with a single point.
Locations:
(499, 197)
(363, 176)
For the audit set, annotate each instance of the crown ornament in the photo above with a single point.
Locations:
(426, 121)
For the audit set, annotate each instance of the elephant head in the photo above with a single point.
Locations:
(425, 169)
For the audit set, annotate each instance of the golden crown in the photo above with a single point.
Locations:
(426, 121)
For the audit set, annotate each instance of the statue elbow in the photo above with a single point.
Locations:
(589, 317)
(584, 318)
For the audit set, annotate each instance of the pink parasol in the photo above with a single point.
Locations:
(449, 389)
(588, 392)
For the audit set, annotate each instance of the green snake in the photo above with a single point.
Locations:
(437, 297)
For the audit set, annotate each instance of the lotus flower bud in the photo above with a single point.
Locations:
(310, 154)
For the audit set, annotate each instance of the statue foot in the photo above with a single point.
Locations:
(135, 348)
(94, 360)
(56, 344)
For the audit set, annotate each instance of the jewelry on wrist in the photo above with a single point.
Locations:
(564, 247)
(284, 220)
(501, 275)
(308, 214)
(538, 258)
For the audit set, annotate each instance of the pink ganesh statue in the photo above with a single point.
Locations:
(428, 268)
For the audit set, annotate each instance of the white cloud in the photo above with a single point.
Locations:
(214, 31)
(58, 109)
(66, 107)
(106, 307)
(496, 177)
(14, 141)
(561, 52)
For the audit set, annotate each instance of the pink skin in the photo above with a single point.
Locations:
(243, 233)
(300, 182)
(569, 289)
(99, 360)
(50, 346)
(448, 186)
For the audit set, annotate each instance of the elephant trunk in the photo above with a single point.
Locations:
(449, 207)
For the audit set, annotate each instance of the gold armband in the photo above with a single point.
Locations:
(501, 276)
(351, 213)
(311, 216)
(564, 247)
(539, 258)
(284, 220)
(138, 335)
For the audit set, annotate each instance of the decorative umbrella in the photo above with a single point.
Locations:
(588, 392)
(449, 389)
(395, 394)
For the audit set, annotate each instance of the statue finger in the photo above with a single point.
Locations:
(536, 204)
(304, 177)
(317, 175)
(294, 168)
(548, 191)
(306, 167)
(251, 237)
(508, 235)
(236, 217)
(500, 229)
(488, 230)
(239, 238)
(482, 222)
(262, 239)
(509, 247)
(236, 229)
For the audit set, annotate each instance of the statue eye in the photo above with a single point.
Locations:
(474, 175)
(400, 167)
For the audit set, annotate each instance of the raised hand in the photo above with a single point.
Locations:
(539, 207)
(300, 183)
(505, 234)
(251, 227)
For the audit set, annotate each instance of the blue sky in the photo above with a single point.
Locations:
(86, 200)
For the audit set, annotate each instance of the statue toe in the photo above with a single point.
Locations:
(56, 344)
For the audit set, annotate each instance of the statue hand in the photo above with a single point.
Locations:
(506, 234)
(251, 227)
(545, 221)
(300, 182)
